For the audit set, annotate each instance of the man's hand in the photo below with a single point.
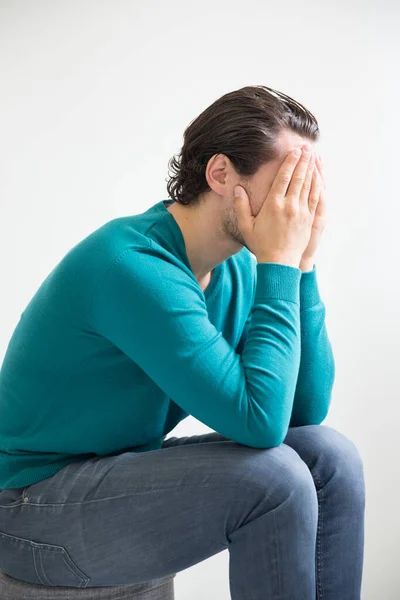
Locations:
(307, 259)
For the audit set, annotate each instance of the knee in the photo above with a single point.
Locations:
(340, 458)
(281, 475)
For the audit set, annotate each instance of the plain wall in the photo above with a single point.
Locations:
(94, 99)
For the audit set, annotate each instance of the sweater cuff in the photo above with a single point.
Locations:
(309, 292)
(277, 281)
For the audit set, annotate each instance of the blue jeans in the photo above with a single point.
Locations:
(292, 517)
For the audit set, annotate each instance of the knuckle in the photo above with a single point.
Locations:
(291, 210)
(298, 179)
(275, 202)
(305, 214)
(285, 179)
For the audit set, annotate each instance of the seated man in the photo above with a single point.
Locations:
(205, 304)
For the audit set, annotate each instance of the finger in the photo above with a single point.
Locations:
(322, 209)
(283, 177)
(314, 196)
(305, 190)
(298, 177)
(241, 204)
(322, 183)
(320, 166)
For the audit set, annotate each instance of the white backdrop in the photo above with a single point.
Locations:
(94, 98)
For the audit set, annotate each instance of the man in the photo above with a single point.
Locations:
(205, 304)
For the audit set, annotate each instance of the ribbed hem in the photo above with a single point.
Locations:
(277, 281)
(309, 292)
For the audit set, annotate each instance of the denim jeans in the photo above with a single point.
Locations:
(291, 517)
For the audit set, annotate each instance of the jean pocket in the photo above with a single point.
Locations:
(41, 564)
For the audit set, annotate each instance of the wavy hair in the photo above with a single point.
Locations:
(243, 125)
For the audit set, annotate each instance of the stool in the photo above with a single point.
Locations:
(14, 589)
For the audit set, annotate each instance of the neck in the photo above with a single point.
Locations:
(207, 245)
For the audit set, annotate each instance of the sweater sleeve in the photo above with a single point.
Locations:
(245, 333)
(156, 314)
(317, 366)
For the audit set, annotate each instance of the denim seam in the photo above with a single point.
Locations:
(278, 579)
(318, 554)
(36, 568)
(75, 572)
(213, 484)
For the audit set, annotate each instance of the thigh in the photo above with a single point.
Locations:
(135, 517)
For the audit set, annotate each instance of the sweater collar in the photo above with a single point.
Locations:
(169, 235)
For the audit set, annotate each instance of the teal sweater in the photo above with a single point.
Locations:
(120, 343)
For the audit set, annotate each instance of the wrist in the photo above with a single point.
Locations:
(306, 264)
(289, 261)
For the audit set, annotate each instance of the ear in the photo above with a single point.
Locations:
(220, 175)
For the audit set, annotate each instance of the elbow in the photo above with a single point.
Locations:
(273, 438)
(274, 441)
(269, 430)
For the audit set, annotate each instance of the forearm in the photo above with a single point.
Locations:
(316, 375)
(317, 366)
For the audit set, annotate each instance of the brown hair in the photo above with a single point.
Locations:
(243, 125)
